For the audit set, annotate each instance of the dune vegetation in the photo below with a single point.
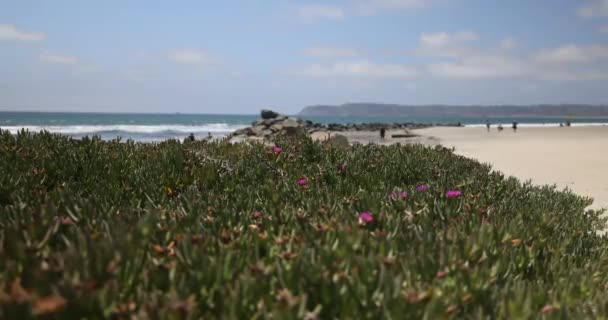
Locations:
(97, 229)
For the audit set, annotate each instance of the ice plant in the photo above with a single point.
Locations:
(422, 188)
(365, 217)
(341, 168)
(453, 194)
(277, 149)
(403, 195)
(303, 182)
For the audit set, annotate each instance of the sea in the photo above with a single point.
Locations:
(153, 127)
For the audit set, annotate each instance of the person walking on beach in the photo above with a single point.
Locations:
(514, 126)
(499, 127)
(488, 125)
(382, 133)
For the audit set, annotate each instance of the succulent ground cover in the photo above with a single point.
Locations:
(94, 229)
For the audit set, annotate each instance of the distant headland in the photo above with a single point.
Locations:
(378, 109)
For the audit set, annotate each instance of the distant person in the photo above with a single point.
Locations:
(382, 133)
(561, 124)
(499, 127)
(514, 126)
(568, 123)
(488, 126)
(191, 137)
(209, 136)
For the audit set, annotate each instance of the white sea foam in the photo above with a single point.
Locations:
(214, 128)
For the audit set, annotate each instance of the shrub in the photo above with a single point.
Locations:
(211, 230)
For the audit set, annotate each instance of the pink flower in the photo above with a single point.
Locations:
(422, 187)
(453, 194)
(395, 195)
(277, 149)
(303, 182)
(365, 217)
(341, 168)
(256, 214)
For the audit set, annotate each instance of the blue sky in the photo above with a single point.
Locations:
(240, 56)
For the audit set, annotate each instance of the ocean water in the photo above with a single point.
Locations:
(159, 127)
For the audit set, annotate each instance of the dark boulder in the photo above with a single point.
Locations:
(268, 114)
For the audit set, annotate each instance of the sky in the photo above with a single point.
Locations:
(241, 56)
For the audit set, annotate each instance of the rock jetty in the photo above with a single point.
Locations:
(272, 123)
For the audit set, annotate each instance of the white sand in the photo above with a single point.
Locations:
(570, 157)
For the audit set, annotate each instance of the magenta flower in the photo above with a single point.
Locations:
(453, 194)
(365, 217)
(422, 188)
(277, 149)
(303, 182)
(403, 195)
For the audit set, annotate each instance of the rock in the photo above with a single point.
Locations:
(258, 130)
(291, 122)
(276, 127)
(292, 131)
(268, 114)
(338, 141)
(291, 126)
(403, 135)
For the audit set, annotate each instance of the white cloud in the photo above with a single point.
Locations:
(314, 12)
(564, 54)
(508, 44)
(572, 75)
(446, 44)
(572, 54)
(73, 64)
(331, 52)
(443, 39)
(190, 56)
(594, 8)
(564, 63)
(10, 32)
(481, 67)
(358, 69)
(374, 6)
(59, 59)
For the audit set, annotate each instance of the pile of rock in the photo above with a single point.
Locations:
(272, 124)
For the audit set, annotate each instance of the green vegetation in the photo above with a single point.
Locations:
(211, 230)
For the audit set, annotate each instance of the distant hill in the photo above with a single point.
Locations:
(377, 109)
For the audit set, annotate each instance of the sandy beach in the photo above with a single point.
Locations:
(571, 157)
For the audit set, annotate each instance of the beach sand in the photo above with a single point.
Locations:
(570, 157)
(365, 137)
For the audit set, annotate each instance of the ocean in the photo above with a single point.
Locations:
(160, 127)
